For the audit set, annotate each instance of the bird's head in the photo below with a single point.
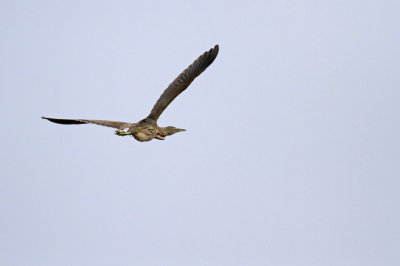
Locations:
(172, 130)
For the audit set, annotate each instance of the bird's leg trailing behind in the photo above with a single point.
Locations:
(123, 133)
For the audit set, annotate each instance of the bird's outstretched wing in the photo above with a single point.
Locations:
(106, 123)
(183, 81)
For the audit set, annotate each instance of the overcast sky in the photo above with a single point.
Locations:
(291, 154)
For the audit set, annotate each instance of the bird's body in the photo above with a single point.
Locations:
(144, 132)
(147, 129)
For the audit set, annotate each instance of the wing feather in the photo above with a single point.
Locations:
(183, 81)
(106, 123)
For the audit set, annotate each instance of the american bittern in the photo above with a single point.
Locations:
(147, 129)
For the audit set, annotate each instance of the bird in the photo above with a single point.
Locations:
(147, 128)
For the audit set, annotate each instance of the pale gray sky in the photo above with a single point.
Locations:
(291, 154)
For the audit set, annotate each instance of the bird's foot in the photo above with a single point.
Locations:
(122, 133)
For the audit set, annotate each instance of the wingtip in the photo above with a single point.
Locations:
(213, 52)
(216, 48)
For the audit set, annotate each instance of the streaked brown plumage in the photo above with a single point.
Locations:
(147, 129)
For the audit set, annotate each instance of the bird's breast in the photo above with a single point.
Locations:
(142, 137)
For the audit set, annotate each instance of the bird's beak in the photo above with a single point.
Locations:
(179, 129)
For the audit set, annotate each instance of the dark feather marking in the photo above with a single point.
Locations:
(106, 123)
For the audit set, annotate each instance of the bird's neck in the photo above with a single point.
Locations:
(165, 131)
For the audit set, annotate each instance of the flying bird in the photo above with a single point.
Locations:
(147, 128)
